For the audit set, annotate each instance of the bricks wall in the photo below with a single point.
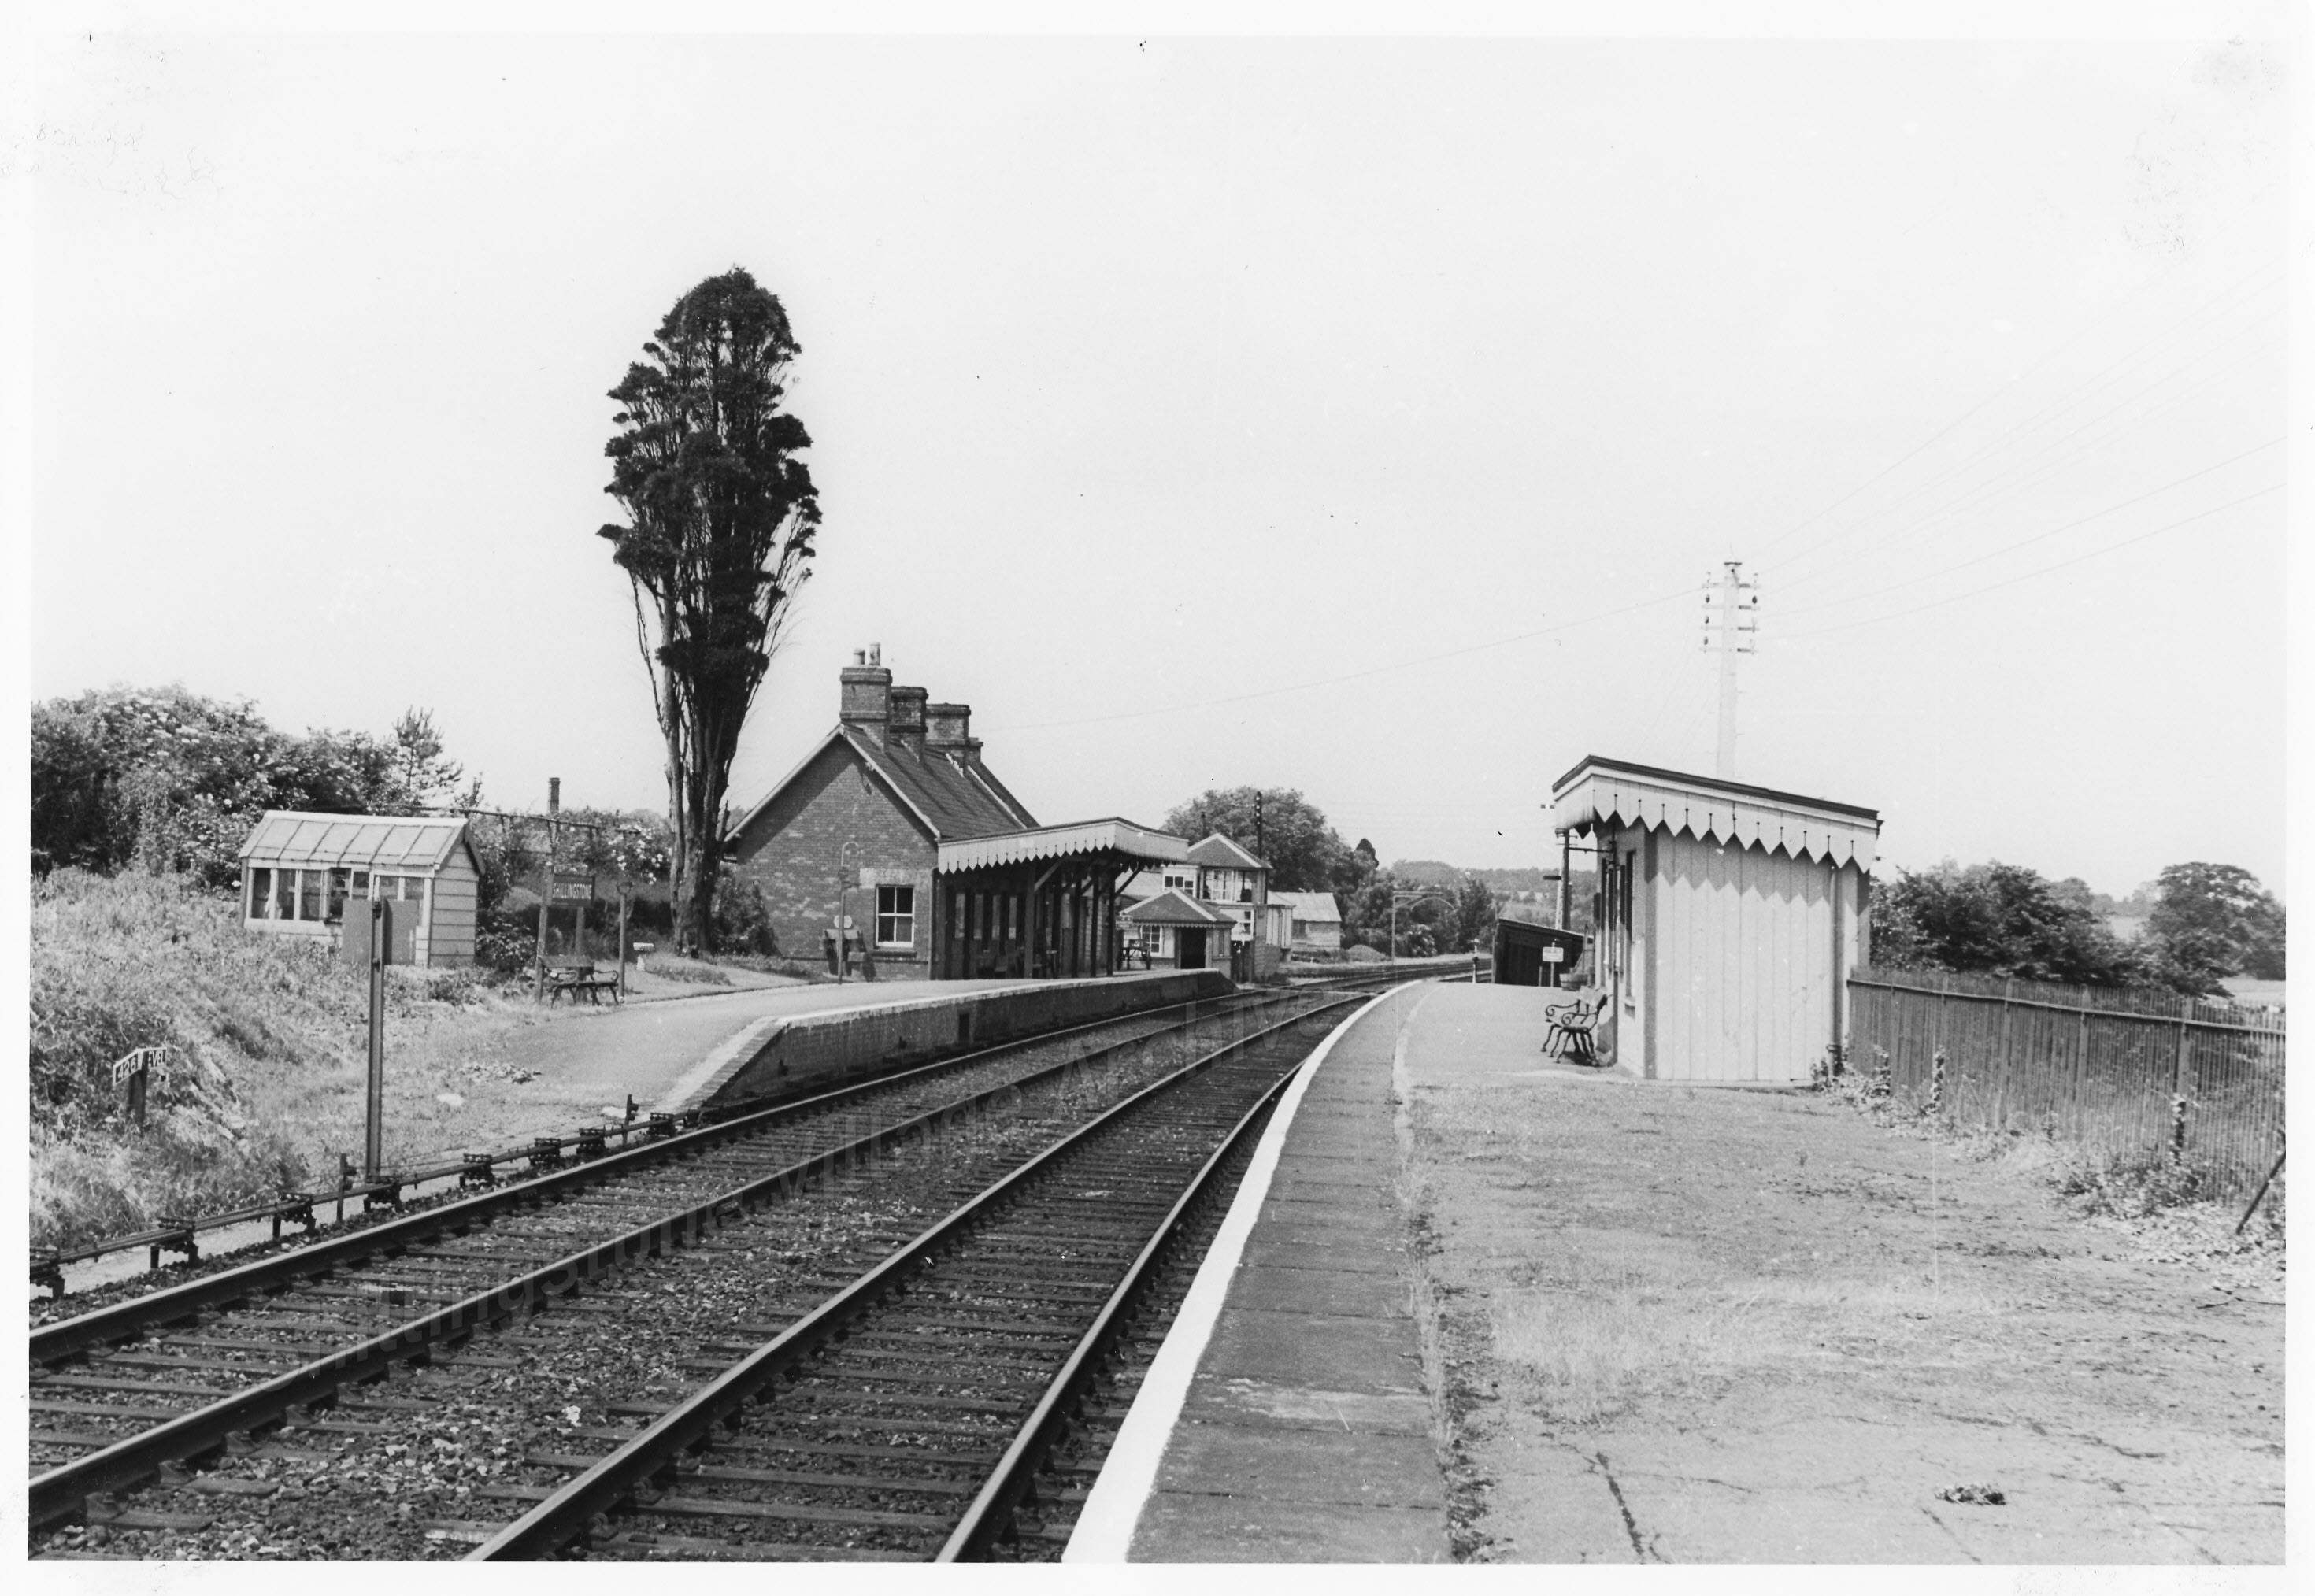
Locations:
(796, 855)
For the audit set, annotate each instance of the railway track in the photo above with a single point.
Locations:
(941, 1402)
(181, 1375)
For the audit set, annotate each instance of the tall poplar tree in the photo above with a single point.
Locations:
(721, 518)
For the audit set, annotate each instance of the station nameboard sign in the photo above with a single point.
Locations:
(574, 883)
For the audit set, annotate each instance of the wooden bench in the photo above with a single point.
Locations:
(575, 978)
(1570, 1026)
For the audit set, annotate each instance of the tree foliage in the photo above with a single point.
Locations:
(1304, 854)
(1997, 919)
(721, 517)
(2209, 922)
(2213, 921)
(168, 780)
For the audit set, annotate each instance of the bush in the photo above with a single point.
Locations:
(742, 922)
(2131, 1188)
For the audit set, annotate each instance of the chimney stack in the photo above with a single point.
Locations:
(948, 730)
(905, 726)
(866, 693)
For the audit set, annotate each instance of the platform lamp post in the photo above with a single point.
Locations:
(844, 909)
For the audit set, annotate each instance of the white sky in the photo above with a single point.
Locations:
(1151, 376)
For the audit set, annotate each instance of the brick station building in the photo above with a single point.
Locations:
(895, 824)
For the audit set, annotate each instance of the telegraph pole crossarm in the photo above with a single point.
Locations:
(1730, 619)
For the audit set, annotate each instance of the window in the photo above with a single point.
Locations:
(413, 888)
(361, 883)
(309, 894)
(896, 917)
(957, 917)
(338, 881)
(285, 895)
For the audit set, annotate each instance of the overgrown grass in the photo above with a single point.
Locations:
(2130, 1188)
(269, 1033)
(1663, 1323)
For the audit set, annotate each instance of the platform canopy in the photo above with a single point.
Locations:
(1611, 793)
(1113, 838)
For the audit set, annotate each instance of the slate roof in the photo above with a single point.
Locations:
(1217, 852)
(1169, 908)
(952, 797)
(951, 800)
(1314, 908)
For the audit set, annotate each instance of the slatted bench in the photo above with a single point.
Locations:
(576, 979)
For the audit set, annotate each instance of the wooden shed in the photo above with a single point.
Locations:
(1729, 917)
(297, 871)
(1527, 954)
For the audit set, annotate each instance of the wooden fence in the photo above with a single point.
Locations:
(2096, 1067)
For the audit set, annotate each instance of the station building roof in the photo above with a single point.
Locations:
(1315, 908)
(1217, 852)
(1172, 906)
(374, 842)
(1600, 791)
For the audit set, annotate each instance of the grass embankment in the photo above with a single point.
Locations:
(268, 1089)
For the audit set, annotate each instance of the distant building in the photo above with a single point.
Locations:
(1314, 920)
(1175, 931)
(1231, 883)
(895, 834)
(299, 871)
(1730, 917)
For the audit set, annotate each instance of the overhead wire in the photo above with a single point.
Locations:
(1456, 653)
(2153, 280)
(2070, 395)
(2043, 571)
(2011, 548)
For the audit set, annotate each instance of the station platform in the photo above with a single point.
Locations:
(1286, 1418)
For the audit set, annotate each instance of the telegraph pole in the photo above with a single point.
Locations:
(545, 887)
(1731, 606)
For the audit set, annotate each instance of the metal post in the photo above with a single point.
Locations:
(545, 889)
(623, 937)
(1566, 869)
(374, 1133)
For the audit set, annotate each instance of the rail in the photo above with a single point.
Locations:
(566, 1514)
(60, 1492)
(540, 1154)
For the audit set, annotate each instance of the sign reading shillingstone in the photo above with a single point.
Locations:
(574, 883)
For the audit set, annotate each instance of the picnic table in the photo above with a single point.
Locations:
(576, 979)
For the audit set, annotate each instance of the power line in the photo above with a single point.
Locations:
(2044, 571)
(1137, 715)
(1979, 491)
(2051, 354)
(2065, 398)
(2012, 548)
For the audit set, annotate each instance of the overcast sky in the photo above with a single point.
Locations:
(1357, 416)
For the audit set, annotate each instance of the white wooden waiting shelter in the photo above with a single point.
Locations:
(1730, 917)
(298, 870)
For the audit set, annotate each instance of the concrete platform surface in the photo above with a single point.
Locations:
(1297, 1428)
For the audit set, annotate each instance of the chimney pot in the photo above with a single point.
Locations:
(864, 697)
